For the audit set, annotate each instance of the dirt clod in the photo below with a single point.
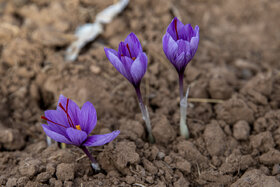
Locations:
(65, 171)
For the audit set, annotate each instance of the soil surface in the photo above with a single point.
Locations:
(234, 140)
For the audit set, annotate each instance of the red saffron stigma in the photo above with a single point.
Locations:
(128, 50)
(67, 114)
(175, 22)
(43, 117)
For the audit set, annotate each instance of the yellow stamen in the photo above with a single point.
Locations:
(133, 58)
(78, 127)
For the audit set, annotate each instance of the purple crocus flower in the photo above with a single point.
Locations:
(130, 60)
(71, 125)
(180, 43)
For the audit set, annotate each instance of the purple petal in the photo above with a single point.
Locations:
(174, 27)
(139, 67)
(122, 50)
(183, 46)
(180, 62)
(186, 32)
(87, 118)
(134, 44)
(77, 137)
(170, 47)
(116, 62)
(54, 135)
(73, 109)
(57, 116)
(98, 140)
(194, 45)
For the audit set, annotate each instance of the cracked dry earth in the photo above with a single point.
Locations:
(234, 140)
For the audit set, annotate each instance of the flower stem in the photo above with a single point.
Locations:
(183, 108)
(145, 114)
(94, 164)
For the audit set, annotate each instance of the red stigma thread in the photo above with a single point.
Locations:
(67, 114)
(128, 50)
(175, 22)
(43, 117)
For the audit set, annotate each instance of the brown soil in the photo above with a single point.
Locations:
(233, 143)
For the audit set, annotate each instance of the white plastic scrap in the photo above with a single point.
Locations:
(88, 32)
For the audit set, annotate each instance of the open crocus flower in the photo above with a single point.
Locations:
(130, 60)
(180, 43)
(71, 125)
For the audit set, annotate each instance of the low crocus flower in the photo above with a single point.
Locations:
(180, 43)
(131, 62)
(71, 125)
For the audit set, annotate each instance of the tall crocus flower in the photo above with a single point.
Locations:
(71, 125)
(131, 62)
(180, 43)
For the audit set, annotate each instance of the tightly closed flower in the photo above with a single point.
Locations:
(130, 60)
(71, 125)
(180, 43)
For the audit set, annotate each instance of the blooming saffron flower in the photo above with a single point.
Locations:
(180, 43)
(71, 125)
(131, 62)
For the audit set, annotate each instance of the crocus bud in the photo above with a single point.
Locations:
(130, 60)
(180, 43)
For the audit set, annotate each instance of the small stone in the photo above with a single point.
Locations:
(160, 155)
(95, 69)
(241, 130)
(65, 171)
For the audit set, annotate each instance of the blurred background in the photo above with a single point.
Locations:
(238, 57)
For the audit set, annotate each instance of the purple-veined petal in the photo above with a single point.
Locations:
(71, 107)
(180, 62)
(127, 62)
(194, 45)
(174, 27)
(183, 46)
(134, 44)
(139, 67)
(54, 135)
(57, 116)
(116, 62)
(187, 32)
(87, 118)
(170, 47)
(77, 137)
(98, 140)
(122, 50)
